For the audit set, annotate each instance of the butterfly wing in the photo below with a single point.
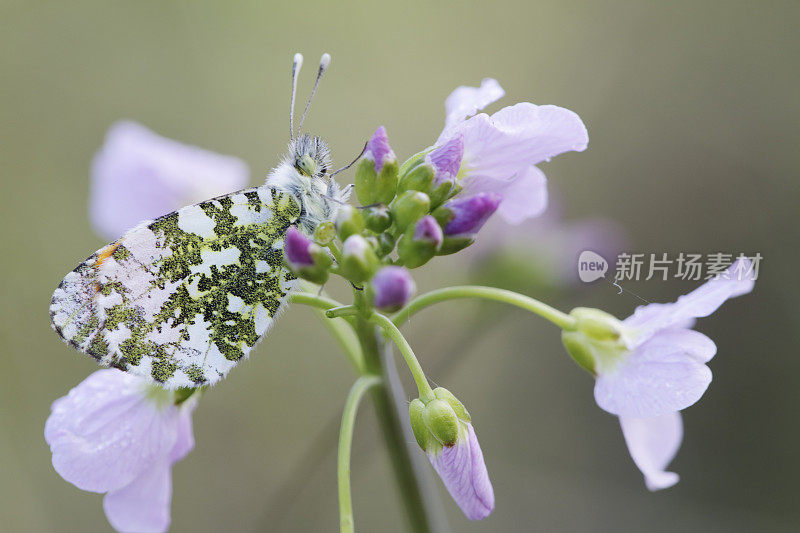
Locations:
(181, 299)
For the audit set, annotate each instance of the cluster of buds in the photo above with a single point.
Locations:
(409, 214)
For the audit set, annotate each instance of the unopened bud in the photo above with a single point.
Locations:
(462, 218)
(409, 207)
(377, 218)
(446, 162)
(393, 287)
(376, 174)
(417, 247)
(325, 233)
(418, 178)
(349, 221)
(308, 260)
(359, 261)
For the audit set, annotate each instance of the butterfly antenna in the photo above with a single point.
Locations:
(323, 66)
(297, 63)
(353, 162)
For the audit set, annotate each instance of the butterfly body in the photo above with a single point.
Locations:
(183, 298)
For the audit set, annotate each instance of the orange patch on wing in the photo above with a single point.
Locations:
(105, 253)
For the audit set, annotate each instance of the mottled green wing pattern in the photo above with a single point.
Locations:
(183, 298)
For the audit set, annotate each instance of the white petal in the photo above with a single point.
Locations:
(656, 378)
(466, 101)
(700, 302)
(653, 443)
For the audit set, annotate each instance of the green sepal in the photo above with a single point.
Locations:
(451, 245)
(579, 349)
(419, 178)
(385, 244)
(415, 253)
(461, 412)
(411, 162)
(439, 193)
(409, 207)
(349, 221)
(318, 272)
(415, 412)
(365, 182)
(441, 420)
(377, 218)
(385, 183)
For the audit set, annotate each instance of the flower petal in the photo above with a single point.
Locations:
(653, 443)
(465, 101)
(703, 301)
(185, 440)
(143, 506)
(139, 175)
(105, 433)
(463, 472)
(658, 377)
(517, 137)
(524, 197)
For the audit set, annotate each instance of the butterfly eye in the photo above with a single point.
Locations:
(305, 165)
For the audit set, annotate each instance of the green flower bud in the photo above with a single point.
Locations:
(417, 247)
(441, 421)
(418, 178)
(365, 181)
(359, 261)
(377, 218)
(349, 221)
(325, 233)
(409, 207)
(385, 244)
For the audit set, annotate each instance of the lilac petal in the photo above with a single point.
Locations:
(471, 213)
(393, 287)
(465, 101)
(297, 248)
(105, 433)
(378, 149)
(690, 342)
(524, 197)
(699, 303)
(139, 175)
(658, 377)
(427, 229)
(143, 506)
(463, 472)
(517, 137)
(185, 440)
(446, 159)
(653, 443)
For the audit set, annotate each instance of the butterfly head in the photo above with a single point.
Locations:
(310, 156)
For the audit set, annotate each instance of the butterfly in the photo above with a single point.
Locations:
(181, 299)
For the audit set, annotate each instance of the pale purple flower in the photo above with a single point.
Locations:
(297, 249)
(471, 213)
(393, 287)
(499, 151)
(663, 368)
(378, 149)
(653, 443)
(116, 434)
(138, 175)
(464, 473)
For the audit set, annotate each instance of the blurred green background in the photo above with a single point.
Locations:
(693, 116)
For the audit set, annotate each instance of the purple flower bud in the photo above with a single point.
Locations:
(393, 287)
(428, 230)
(298, 249)
(470, 214)
(378, 149)
(446, 159)
(464, 473)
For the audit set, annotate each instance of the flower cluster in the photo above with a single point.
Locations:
(120, 435)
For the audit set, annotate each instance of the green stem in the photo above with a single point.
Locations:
(320, 302)
(409, 483)
(424, 388)
(343, 333)
(555, 316)
(362, 384)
